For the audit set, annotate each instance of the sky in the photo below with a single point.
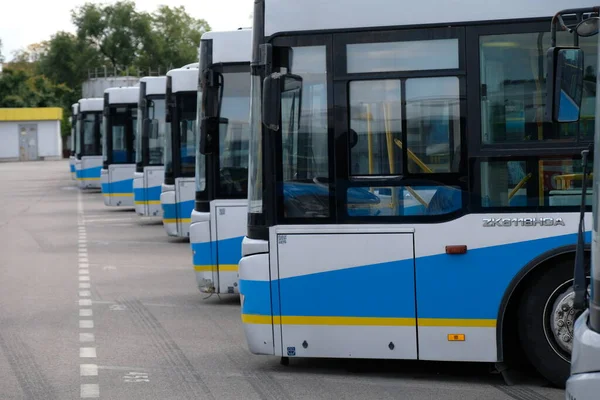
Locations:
(23, 22)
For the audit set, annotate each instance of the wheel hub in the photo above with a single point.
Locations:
(562, 320)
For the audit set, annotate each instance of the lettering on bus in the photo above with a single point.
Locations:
(506, 222)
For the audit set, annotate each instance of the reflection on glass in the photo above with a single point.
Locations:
(255, 159)
(376, 118)
(403, 200)
(304, 137)
(415, 55)
(570, 65)
(513, 95)
(520, 183)
(187, 132)
(234, 134)
(433, 124)
(156, 114)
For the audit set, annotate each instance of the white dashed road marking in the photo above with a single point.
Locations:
(89, 389)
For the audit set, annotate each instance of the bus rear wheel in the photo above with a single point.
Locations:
(546, 322)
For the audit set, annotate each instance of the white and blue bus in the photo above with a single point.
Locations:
(220, 215)
(72, 157)
(149, 163)
(566, 85)
(88, 143)
(178, 188)
(404, 187)
(118, 150)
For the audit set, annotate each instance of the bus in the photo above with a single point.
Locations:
(219, 217)
(149, 167)
(406, 153)
(88, 144)
(178, 188)
(565, 93)
(73, 122)
(118, 150)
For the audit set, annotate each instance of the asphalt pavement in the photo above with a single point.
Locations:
(96, 302)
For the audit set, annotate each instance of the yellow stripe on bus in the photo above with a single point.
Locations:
(149, 202)
(118, 194)
(174, 220)
(88, 179)
(215, 268)
(367, 321)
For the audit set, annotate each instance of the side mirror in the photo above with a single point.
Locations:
(209, 129)
(588, 27)
(565, 78)
(146, 128)
(153, 129)
(274, 86)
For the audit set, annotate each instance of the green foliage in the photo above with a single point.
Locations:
(116, 35)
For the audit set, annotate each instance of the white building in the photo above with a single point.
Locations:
(28, 134)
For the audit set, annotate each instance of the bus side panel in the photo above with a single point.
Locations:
(153, 179)
(336, 290)
(89, 172)
(185, 195)
(139, 194)
(459, 295)
(169, 208)
(120, 184)
(259, 312)
(231, 229)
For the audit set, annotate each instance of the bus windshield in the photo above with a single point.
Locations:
(186, 112)
(234, 135)
(90, 125)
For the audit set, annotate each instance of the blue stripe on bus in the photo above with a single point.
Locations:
(124, 186)
(230, 252)
(139, 194)
(469, 286)
(147, 194)
(72, 167)
(93, 172)
(182, 210)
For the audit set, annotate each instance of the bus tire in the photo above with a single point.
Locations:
(540, 309)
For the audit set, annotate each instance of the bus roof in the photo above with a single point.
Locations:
(318, 15)
(184, 79)
(155, 85)
(91, 104)
(123, 95)
(230, 46)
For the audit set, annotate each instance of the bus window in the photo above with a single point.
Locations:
(376, 117)
(433, 124)
(551, 182)
(513, 88)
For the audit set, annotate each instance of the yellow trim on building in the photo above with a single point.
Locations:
(31, 114)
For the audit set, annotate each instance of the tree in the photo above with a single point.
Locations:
(173, 40)
(67, 59)
(115, 30)
(22, 88)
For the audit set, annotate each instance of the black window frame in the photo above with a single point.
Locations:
(212, 160)
(145, 135)
(80, 134)
(129, 133)
(177, 99)
(472, 147)
(479, 151)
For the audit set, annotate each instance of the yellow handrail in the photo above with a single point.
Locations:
(414, 157)
(519, 185)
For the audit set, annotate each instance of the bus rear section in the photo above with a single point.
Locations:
(149, 173)
(88, 143)
(120, 113)
(178, 188)
(220, 213)
(404, 185)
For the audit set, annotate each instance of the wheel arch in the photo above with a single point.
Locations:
(512, 294)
